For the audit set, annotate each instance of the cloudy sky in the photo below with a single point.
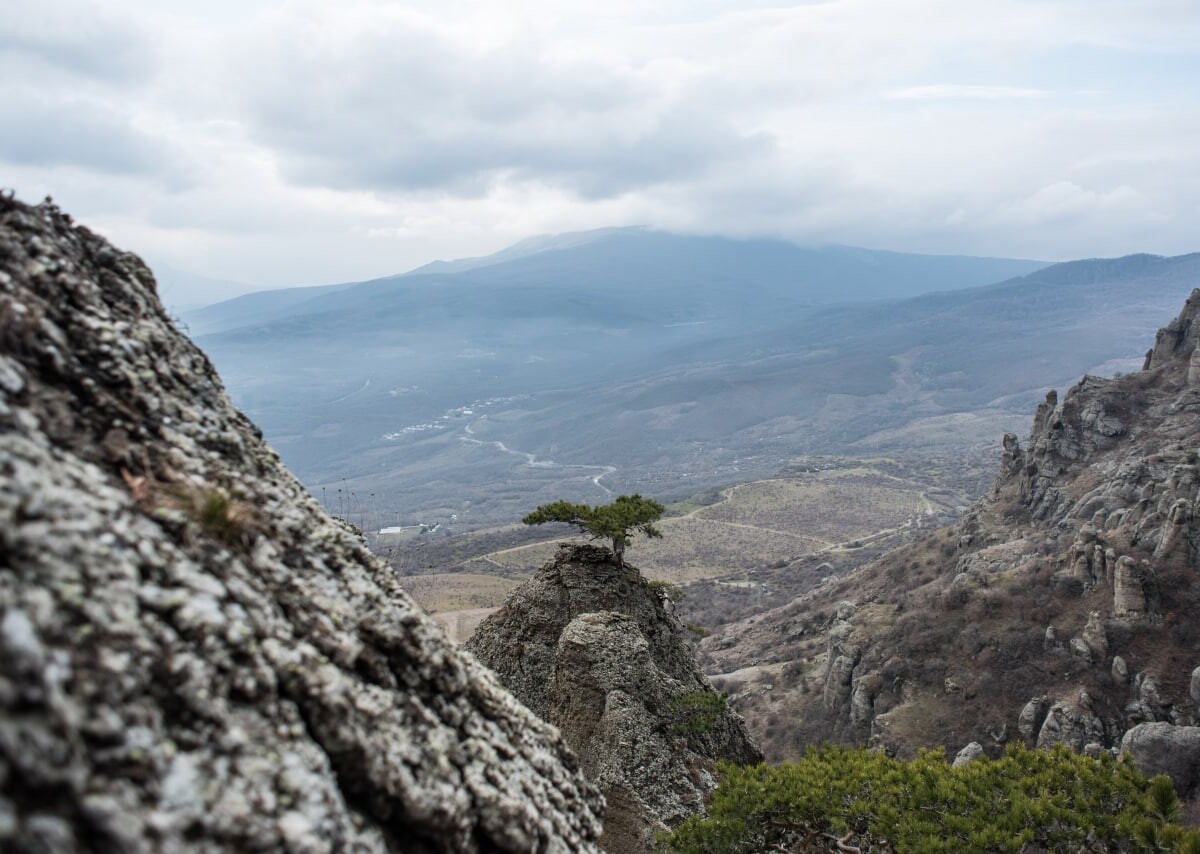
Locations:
(281, 143)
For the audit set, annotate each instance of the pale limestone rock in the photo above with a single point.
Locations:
(1129, 598)
(843, 656)
(1050, 639)
(1095, 635)
(862, 699)
(968, 754)
(588, 645)
(1193, 373)
(1148, 690)
(1175, 529)
(1080, 649)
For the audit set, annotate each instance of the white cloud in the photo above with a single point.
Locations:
(300, 141)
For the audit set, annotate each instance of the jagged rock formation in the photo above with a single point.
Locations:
(192, 654)
(1073, 582)
(589, 646)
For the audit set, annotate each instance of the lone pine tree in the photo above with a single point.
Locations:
(617, 521)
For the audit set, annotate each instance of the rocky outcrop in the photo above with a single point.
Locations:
(1073, 581)
(589, 646)
(192, 654)
(1072, 724)
(1161, 748)
(971, 753)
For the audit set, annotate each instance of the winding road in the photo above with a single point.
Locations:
(532, 461)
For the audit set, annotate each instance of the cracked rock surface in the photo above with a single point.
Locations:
(193, 655)
(587, 644)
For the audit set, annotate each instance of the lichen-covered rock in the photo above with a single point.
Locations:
(1120, 670)
(588, 644)
(1071, 724)
(192, 654)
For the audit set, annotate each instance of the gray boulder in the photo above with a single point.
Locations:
(1162, 748)
(968, 754)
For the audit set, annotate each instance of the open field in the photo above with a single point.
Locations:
(833, 506)
(770, 531)
(460, 625)
(457, 591)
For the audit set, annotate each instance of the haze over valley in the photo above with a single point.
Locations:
(633, 360)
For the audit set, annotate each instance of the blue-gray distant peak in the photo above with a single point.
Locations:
(621, 274)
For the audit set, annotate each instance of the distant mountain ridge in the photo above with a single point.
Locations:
(643, 361)
(635, 264)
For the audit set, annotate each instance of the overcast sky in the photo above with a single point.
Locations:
(282, 143)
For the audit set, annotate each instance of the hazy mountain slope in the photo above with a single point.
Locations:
(626, 272)
(482, 393)
(254, 308)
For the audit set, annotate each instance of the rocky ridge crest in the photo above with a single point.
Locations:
(193, 655)
(1060, 609)
(587, 644)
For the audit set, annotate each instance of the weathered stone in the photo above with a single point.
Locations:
(588, 645)
(1162, 748)
(842, 657)
(1120, 670)
(968, 754)
(1050, 639)
(1102, 493)
(1147, 688)
(1175, 530)
(862, 698)
(1095, 636)
(1194, 688)
(1080, 649)
(1070, 724)
(1178, 339)
(1029, 721)
(195, 656)
(1129, 598)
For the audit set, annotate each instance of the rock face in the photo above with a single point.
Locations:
(589, 646)
(1074, 582)
(192, 654)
